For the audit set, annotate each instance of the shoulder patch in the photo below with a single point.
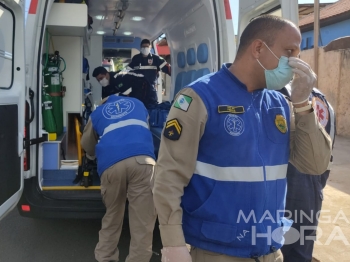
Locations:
(321, 111)
(183, 102)
(173, 129)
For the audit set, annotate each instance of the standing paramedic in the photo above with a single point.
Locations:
(305, 192)
(117, 133)
(220, 180)
(149, 65)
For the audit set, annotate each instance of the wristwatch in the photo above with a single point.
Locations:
(302, 109)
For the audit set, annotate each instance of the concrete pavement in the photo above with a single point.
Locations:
(333, 243)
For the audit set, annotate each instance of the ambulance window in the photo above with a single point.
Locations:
(6, 46)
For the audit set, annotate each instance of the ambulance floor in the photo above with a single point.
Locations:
(63, 178)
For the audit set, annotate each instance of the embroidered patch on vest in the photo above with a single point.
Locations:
(234, 125)
(231, 109)
(183, 102)
(321, 111)
(172, 129)
(118, 109)
(150, 61)
(281, 124)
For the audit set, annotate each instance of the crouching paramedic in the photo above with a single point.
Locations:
(117, 133)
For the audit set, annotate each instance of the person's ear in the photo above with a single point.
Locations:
(256, 47)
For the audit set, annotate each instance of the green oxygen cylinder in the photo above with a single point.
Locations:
(53, 79)
(47, 112)
(55, 91)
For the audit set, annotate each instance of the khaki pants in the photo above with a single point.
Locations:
(200, 255)
(130, 178)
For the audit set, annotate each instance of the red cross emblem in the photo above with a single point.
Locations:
(321, 112)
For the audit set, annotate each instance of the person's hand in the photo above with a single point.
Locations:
(176, 254)
(303, 82)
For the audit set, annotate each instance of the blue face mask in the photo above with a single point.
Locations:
(277, 78)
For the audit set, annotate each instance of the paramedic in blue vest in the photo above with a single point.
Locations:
(118, 134)
(149, 65)
(305, 192)
(220, 180)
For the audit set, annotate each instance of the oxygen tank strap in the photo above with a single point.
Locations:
(56, 94)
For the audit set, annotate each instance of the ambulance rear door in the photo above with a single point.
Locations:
(12, 103)
(248, 9)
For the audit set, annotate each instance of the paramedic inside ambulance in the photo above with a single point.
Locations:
(125, 83)
(149, 65)
(106, 79)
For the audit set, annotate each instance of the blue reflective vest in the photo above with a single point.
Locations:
(122, 126)
(232, 201)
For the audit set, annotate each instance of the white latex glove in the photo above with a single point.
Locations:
(176, 254)
(303, 82)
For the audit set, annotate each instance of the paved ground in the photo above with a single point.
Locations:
(335, 219)
(32, 240)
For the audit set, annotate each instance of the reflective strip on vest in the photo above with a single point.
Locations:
(331, 118)
(128, 73)
(332, 128)
(130, 122)
(147, 67)
(162, 65)
(241, 174)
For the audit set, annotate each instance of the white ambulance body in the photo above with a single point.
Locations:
(33, 172)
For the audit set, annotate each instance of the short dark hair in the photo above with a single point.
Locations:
(99, 70)
(145, 41)
(264, 27)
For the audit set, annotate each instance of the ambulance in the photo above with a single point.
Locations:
(43, 76)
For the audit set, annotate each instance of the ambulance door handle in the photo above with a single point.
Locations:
(20, 143)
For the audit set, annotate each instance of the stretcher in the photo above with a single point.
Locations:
(87, 170)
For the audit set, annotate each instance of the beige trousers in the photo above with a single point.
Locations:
(130, 178)
(200, 255)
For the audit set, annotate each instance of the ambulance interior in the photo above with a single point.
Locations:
(198, 35)
(115, 35)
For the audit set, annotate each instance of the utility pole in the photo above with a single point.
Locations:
(316, 33)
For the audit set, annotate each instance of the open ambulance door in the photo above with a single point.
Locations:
(12, 103)
(248, 9)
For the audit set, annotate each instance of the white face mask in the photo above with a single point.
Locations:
(145, 50)
(104, 82)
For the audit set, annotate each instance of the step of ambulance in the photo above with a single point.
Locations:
(63, 180)
(92, 194)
